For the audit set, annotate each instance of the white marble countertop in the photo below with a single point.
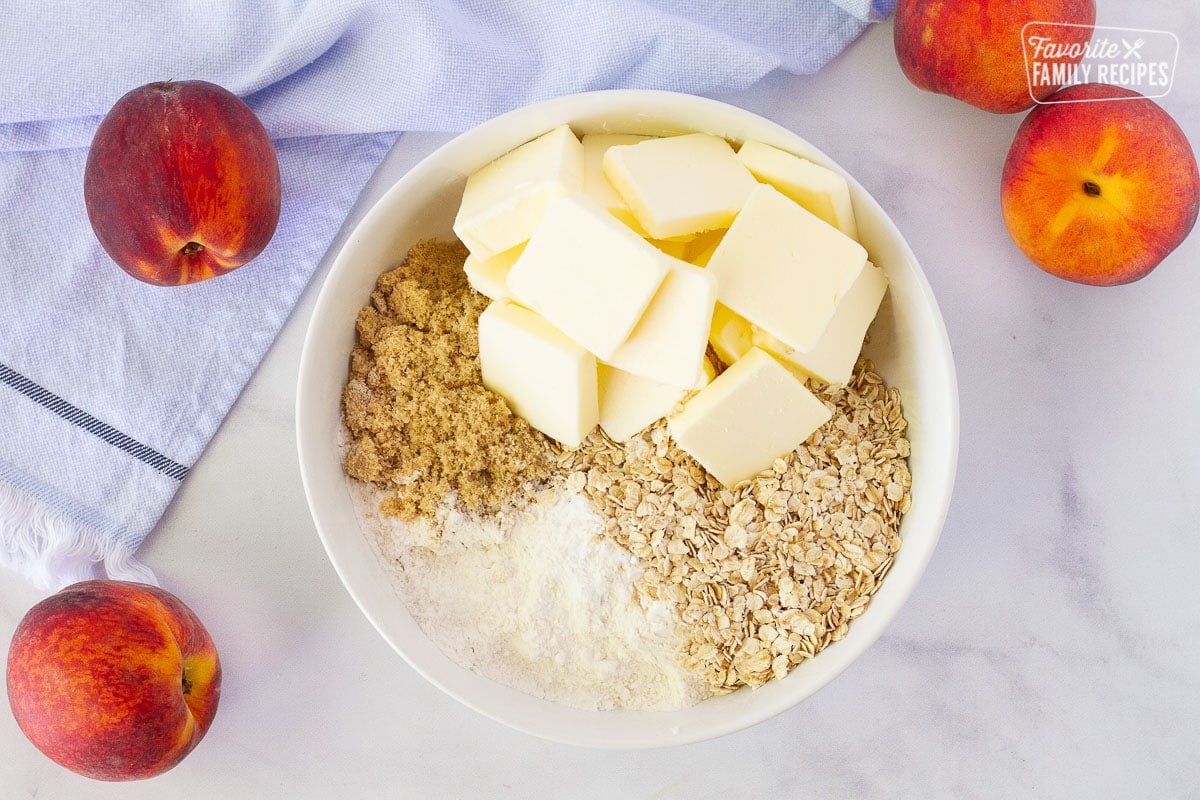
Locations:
(1052, 648)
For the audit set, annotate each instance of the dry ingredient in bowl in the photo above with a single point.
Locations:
(613, 575)
(420, 421)
(540, 601)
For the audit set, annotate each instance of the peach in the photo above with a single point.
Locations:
(113, 680)
(181, 183)
(971, 49)
(1099, 186)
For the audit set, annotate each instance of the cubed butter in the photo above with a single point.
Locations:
(731, 336)
(783, 269)
(753, 413)
(629, 403)
(818, 189)
(832, 359)
(669, 341)
(547, 379)
(760, 338)
(504, 201)
(489, 276)
(595, 184)
(588, 274)
(679, 185)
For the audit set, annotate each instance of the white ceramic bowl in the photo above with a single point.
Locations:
(908, 343)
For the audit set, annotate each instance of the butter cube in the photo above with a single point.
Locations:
(832, 359)
(504, 201)
(731, 336)
(679, 185)
(629, 403)
(595, 185)
(819, 189)
(754, 412)
(669, 341)
(766, 341)
(587, 274)
(783, 269)
(547, 379)
(489, 276)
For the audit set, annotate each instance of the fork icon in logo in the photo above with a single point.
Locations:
(1132, 49)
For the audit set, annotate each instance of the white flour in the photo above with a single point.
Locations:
(542, 603)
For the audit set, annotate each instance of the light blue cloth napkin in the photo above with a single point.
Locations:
(110, 388)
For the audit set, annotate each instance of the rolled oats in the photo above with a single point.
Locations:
(765, 575)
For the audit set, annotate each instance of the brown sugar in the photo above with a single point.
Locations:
(421, 423)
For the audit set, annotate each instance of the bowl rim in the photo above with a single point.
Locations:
(866, 629)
